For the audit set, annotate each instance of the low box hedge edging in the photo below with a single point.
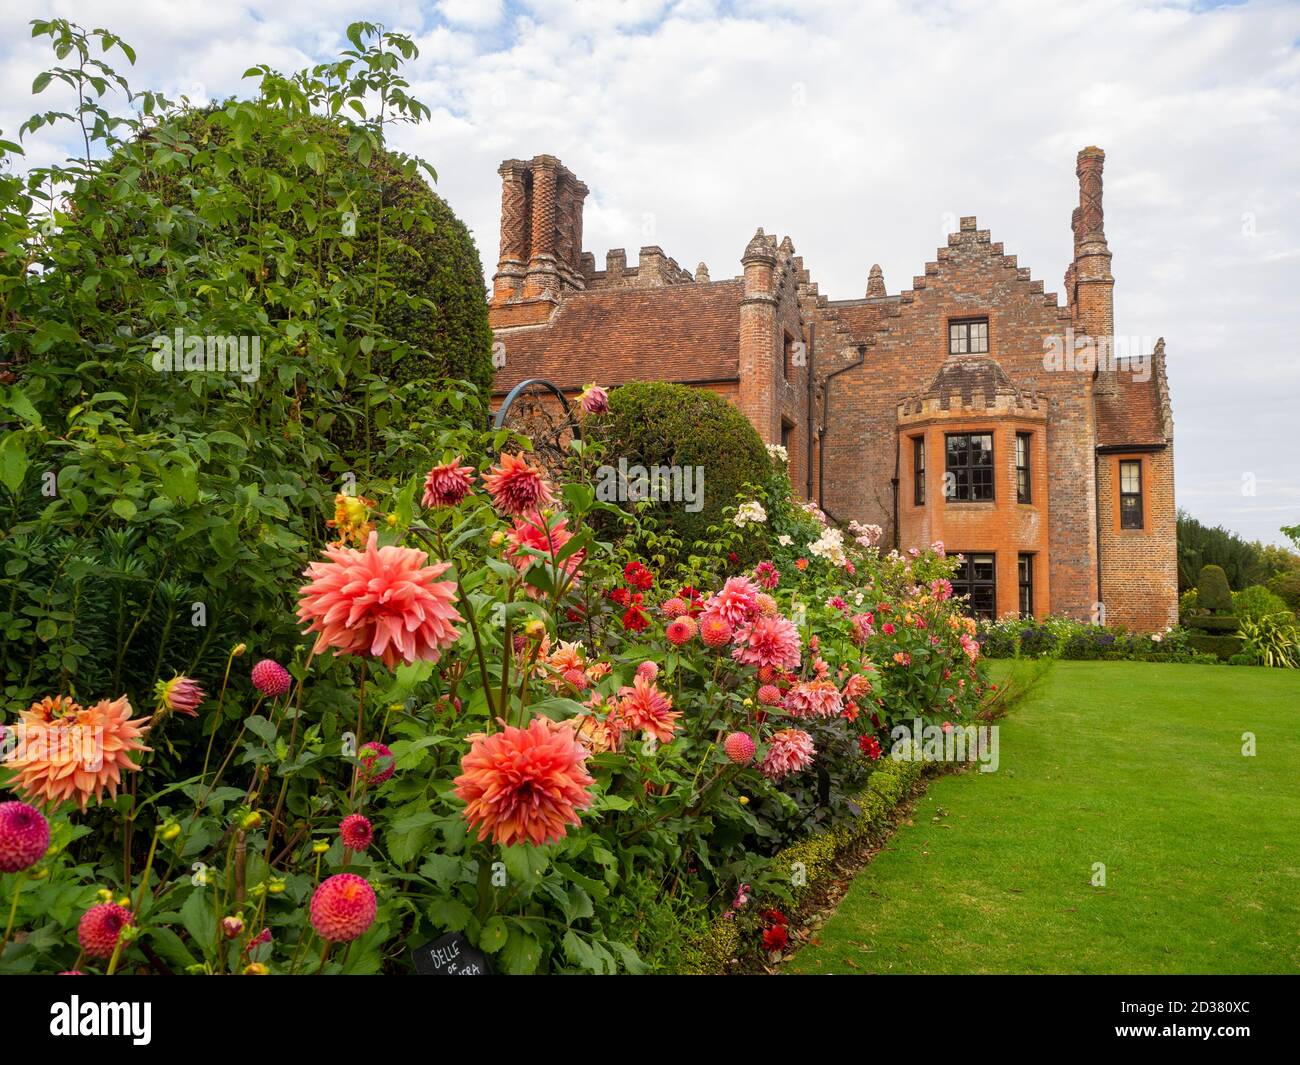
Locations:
(733, 941)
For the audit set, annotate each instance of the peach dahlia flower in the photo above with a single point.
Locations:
(525, 784)
(383, 601)
(72, 753)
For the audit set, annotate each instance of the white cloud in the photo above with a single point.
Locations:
(859, 129)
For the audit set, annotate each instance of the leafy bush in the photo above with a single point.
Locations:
(1057, 637)
(1221, 647)
(657, 424)
(152, 513)
(1257, 601)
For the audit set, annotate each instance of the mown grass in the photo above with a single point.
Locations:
(1134, 765)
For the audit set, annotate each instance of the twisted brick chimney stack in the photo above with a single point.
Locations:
(541, 231)
(1091, 284)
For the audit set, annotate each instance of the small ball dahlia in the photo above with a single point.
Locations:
(674, 607)
(769, 695)
(788, 751)
(524, 784)
(517, 487)
(71, 753)
(378, 754)
(356, 832)
(99, 927)
(271, 678)
(715, 630)
(448, 484)
(180, 695)
(343, 908)
(24, 836)
(739, 747)
(383, 601)
(768, 642)
(649, 670)
(681, 630)
(644, 708)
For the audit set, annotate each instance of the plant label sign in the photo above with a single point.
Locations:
(451, 955)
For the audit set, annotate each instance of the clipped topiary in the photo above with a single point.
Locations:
(654, 424)
(1212, 592)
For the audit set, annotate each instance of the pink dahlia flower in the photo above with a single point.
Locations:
(715, 630)
(788, 751)
(383, 601)
(517, 487)
(524, 785)
(681, 630)
(99, 927)
(378, 754)
(343, 908)
(941, 588)
(24, 836)
(356, 832)
(767, 575)
(768, 642)
(594, 400)
(767, 605)
(644, 708)
(448, 484)
(649, 670)
(180, 695)
(769, 695)
(739, 747)
(674, 607)
(814, 698)
(737, 601)
(271, 678)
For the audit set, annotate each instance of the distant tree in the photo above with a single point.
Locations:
(1200, 545)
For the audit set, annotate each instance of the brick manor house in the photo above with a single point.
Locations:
(971, 408)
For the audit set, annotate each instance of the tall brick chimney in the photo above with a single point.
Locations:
(541, 231)
(1094, 285)
(758, 340)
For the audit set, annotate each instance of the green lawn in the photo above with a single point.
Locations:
(1136, 765)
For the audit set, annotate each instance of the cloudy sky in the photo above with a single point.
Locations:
(863, 129)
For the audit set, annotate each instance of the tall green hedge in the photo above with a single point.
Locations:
(651, 423)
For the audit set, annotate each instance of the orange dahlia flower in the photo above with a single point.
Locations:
(383, 601)
(525, 785)
(644, 708)
(70, 753)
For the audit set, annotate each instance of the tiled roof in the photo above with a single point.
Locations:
(683, 333)
(1133, 414)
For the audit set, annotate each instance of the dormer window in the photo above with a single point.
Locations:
(970, 336)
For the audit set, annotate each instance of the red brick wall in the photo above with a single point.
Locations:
(1139, 567)
(971, 277)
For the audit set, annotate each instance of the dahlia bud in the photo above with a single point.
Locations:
(104, 895)
(498, 538)
(255, 968)
(276, 885)
(170, 831)
(240, 648)
(233, 926)
(319, 847)
(391, 520)
(744, 800)
(535, 630)
(594, 400)
(180, 695)
(251, 820)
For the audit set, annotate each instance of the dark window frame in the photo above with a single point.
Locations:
(918, 471)
(1132, 517)
(982, 590)
(1025, 580)
(964, 335)
(969, 477)
(1024, 462)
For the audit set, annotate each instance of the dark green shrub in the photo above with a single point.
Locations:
(1212, 592)
(1286, 586)
(1222, 647)
(655, 424)
(1213, 622)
